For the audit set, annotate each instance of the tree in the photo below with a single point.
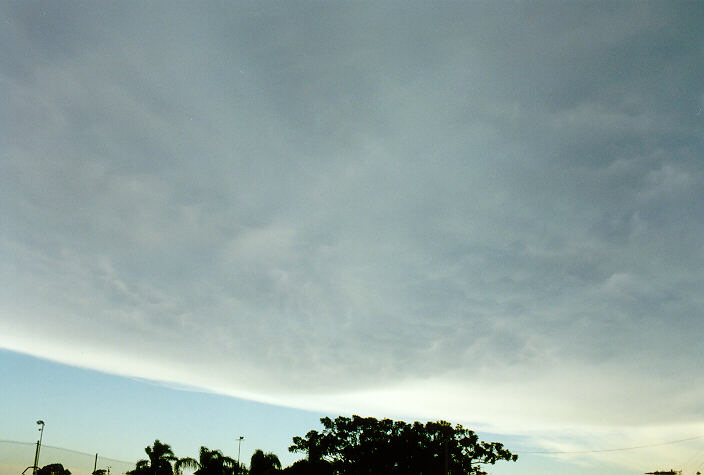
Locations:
(210, 462)
(53, 469)
(263, 464)
(160, 458)
(306, 467)
(360, 445)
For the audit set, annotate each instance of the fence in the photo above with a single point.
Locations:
(16, 456)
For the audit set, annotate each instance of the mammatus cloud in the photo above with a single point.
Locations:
(484, 213)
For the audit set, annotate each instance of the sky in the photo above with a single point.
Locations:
(489, 213)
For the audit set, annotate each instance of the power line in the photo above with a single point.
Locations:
(64, 449)
(537, 452)
(693, 459)
(3, 441)
(620, 449)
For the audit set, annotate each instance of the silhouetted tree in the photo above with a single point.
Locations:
(263, 464)
(360, 445)
(306, 467)
(160, 458)
(210, 462)
(53, 469)
(241, 469)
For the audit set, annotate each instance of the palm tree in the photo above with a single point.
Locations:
(263, 464)
(210, 462)
(160, 457)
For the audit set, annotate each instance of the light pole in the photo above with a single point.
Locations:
(239, 446)
(39, 446)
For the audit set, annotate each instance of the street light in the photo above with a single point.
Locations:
(239, 446)
(39, 446)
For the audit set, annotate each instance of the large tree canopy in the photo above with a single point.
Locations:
(53, 469)
(360, 445)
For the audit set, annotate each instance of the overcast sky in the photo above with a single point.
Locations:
(490, 213)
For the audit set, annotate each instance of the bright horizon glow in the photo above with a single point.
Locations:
(121, 394)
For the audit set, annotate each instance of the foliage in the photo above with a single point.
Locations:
(360, 445)
(306, 467)
(160, 458)
(53, 469)
(210, 462)
(347, 446)
(263, 464)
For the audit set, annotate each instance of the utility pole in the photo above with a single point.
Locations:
(39, 446)
(239, 446)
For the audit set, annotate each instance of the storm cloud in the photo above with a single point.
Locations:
(490, 212)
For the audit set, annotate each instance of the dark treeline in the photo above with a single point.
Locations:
(349, 446)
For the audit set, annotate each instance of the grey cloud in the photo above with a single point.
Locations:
(323, 198)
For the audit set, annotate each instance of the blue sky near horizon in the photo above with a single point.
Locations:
(116, 416)
(485, 212)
